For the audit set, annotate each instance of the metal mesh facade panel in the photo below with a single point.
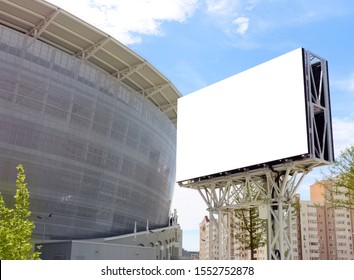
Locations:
(97, 154)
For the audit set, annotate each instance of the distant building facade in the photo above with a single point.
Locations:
(190, 255)
(323, 232)
(236, 250)
(204, 240)
(309, 231)
(207, 236)
(335, 225)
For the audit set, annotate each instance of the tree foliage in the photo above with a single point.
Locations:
(15, 226)
(341, 176)
(251, 230)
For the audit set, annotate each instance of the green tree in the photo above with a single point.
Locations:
(251, 230)
(15, 226)
(340, 190)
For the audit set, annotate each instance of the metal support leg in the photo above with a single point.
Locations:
(211, 236)
(228, 237)
(281, 189)
(220, 235)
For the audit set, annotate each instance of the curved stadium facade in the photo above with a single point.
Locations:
(91, 121)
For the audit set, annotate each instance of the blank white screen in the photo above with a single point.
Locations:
(254, 117)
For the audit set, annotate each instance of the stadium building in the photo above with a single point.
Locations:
(92, 122)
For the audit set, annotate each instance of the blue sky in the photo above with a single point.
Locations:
(195, 43)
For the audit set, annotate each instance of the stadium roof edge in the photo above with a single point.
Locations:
(65, 31)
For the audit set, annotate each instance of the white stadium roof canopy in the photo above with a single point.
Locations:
(61, 29)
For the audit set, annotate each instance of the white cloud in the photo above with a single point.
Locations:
(218, 6)
(228, 14)
(351, 83)
(126, 20)
(267, 17)
(343, 134)
(242, 24)
(346, 84)
(251, 4)
(224, 10)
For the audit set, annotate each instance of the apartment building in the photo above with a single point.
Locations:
(335, 225)
(204, 239)
(236, 250)
(322, 232)
(309, 231)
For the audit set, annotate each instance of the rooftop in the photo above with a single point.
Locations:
(52, 25)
